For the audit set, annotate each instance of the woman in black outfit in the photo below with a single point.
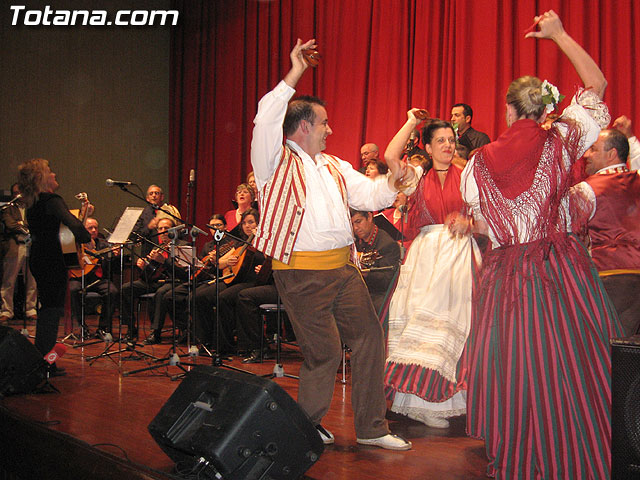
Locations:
(45, 211)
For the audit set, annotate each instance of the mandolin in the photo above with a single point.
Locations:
(211, 256)
(230, 273)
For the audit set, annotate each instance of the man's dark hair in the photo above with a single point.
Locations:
(219, 216)
(358, 212)
(466, 109)
(300, 108)
(616, 139)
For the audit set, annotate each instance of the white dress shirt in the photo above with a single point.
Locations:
(326, 223)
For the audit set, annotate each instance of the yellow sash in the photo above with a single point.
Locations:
(323, 260)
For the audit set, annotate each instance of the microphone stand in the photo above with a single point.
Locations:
(27, 272)
(99, 255)
(216, 359)
(152, 205)
(404, 210)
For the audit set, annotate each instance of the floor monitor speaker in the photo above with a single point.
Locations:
(625, 411)
(226, 424)
(22, 367)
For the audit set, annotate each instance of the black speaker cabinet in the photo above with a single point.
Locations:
(242, 426)
(625, 411)
(22, 368)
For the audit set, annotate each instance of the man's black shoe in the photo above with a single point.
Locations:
(153, 339)
(255, 357)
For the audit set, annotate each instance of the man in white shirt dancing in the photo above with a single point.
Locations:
(304, 199)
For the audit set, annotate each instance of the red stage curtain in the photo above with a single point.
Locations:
(380, 57)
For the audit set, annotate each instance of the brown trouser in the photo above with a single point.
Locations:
(328, 308)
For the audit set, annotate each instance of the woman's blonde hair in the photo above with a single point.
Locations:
(525, 95)
(32, 178)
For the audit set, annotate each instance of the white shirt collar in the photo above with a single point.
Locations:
(320, 160)
(608, 167)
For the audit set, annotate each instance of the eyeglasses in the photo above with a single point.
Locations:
(155, 193)
(216, 225)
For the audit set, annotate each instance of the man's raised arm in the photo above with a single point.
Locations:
(267, 132)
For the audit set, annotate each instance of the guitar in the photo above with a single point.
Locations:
(367, 259)
(72, 251)
(153, 269)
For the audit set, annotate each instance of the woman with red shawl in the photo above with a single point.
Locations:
(430, 312)
(539, 382)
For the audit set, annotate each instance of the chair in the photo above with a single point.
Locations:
(145, 297)
(265, 310)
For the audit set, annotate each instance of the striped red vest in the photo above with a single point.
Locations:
(282, 205)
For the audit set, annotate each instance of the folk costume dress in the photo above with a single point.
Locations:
(539, 380)
(430, 312)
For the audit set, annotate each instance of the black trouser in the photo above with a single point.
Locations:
(248, 315)
(139, 287)
(624, 291)
(51, 280)
(108, 296)
(206, 327)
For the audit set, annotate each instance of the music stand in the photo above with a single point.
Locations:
(120, 236)
(172, 358)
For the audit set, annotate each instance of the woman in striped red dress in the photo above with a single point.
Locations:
(539, 381)
(430, 312)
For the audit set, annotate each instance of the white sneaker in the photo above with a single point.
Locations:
(435, 422)
(325, 435)
(389, 441)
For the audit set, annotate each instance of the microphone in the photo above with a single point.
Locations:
(192, 177)
(175, 232)
(404, 210)
(111, 183)
(195, 231)
(12, 201)
(58, 350)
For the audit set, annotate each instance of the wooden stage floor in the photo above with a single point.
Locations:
(100, 406)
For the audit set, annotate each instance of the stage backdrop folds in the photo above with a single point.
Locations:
(380, 57)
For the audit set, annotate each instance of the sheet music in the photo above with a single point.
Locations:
(125, 225)
(183, 256)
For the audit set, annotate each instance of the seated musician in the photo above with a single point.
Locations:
(147, 224)
(239, 268)
(155, 277)
(97, 278)
(202, 275)
(377, 250)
